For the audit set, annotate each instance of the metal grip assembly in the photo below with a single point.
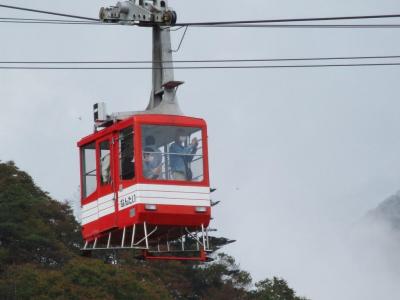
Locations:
(142, 13)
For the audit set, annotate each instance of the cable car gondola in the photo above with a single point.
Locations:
(144, 175)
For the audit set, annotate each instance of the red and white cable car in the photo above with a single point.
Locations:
(144, 175)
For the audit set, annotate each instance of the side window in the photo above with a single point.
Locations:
(105, 163)
(126, 154)
(88, 160)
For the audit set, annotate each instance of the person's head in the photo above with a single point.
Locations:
(150, 140)
(148, 154)
(180, 135)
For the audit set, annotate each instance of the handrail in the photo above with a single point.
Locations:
(171, 153)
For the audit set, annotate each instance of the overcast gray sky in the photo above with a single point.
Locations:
(298, 155)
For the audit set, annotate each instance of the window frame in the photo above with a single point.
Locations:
(204, 145)
(84, 174)
(109, 187)
(122, 181)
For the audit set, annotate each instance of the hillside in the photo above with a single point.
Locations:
(388, 212)
(40, 259)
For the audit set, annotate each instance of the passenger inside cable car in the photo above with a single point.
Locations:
(172, 153)
(152, 159)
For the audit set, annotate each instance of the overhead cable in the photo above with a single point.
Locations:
(216, 23)
(206, 60)
(73, 22)
(207, 67)
(363, 17)
(48, 12)
(249, 26)
(44, 20)
(377, 26)
(51, 22)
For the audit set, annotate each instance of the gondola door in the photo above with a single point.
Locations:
(106, 181)
(125, 174)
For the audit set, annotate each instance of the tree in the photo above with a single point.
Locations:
(275, 289)
(40, 259)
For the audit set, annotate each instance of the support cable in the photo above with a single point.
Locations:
(206, 67)
(208, 60)
(249, 26)
(43, 20)
(53, 23)
(305, 26)
(237, 22)
(180, 43)
(363, 17)
(48, 12)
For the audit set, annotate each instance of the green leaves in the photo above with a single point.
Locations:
(274, 289)
(40, 259)
(33, 227)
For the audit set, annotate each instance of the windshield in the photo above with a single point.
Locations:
(172, 153)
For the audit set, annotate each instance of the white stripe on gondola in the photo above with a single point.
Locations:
(98, 208)
(146, 194)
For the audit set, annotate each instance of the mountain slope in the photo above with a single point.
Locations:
(388, 212)
(40, 259)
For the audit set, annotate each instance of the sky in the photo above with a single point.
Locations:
(298, 155)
